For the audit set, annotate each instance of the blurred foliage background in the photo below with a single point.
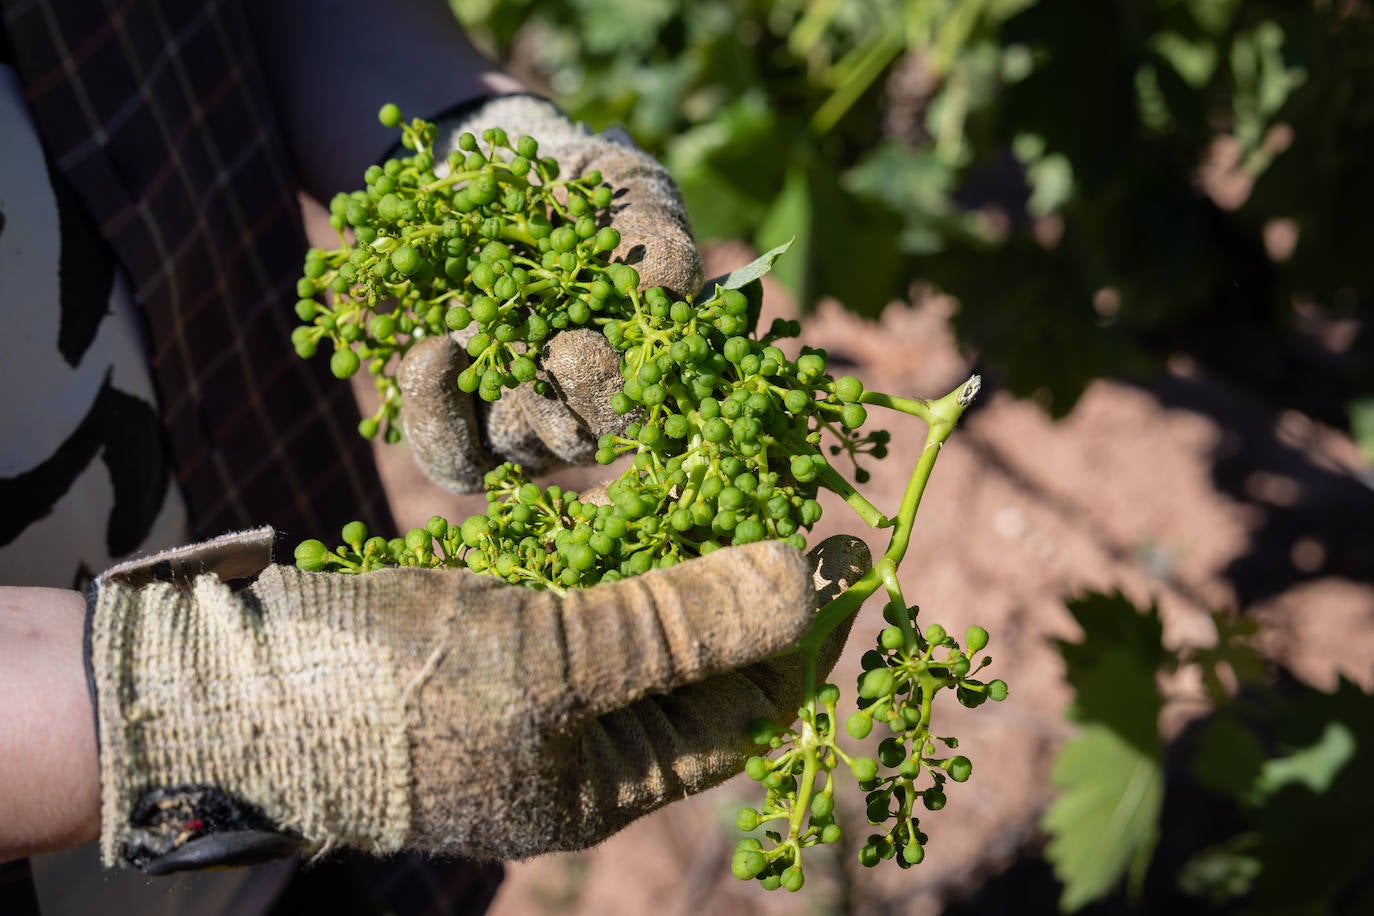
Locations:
(1100, 185)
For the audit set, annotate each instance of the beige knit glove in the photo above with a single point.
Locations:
(436, 710)
(456, 440)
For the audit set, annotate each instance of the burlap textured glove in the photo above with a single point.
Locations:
(428, 709)
(454, 439)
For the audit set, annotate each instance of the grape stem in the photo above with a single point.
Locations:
(940, 415)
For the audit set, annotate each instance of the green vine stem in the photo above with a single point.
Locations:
(941, 416)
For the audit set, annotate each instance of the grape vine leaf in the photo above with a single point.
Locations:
(1112, 670)
(1105, 821)
(1311, 803)
(743, 276)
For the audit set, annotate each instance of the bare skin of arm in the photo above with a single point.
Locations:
(50, 794)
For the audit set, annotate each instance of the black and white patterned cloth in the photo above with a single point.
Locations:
(84, 477)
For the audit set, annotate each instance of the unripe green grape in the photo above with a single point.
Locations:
(848, 389)
(310, 555)
(935, 634)
(477, 344)
(749, 864)
(437, 526)
(736, 348)
(367, 427)
(716, 430)
(868, 856)
(831, 833)
(747, 819)
(624, 277)
(756, 768)
(822, 805)
(877, 683)
(997, 690)
(859, 725)
(865, 769)
(827, 694)
(959, 768)
(933, 799)
(607, 239)
(792, 879)
(853, 416)
(389, 115)
(406, 260)
(892, 638)
(913, 853)
(810, 366)
(484, 309)
(354, 533)
(749, 531)
(344, 363)
(975, 639)
(958, 666)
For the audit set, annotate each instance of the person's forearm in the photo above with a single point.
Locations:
(332, 64)
(50, 789)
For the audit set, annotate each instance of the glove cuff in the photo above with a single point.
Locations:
(236, 727)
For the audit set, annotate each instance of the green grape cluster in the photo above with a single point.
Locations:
(901, 677)
(488, 239)
(728, 438)
(726, 444)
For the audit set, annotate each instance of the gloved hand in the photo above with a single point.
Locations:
(456, 440)
(437, 710)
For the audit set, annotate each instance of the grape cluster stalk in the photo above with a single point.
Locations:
(731, 440)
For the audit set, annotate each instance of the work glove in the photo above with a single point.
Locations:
(455, 440)
(247, 710)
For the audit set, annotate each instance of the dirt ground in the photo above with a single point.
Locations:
(1178, 491)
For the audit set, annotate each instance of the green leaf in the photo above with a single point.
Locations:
(1112, 670)
(622, 26)
(1312, 811)
(1314, 767)
(1103, 825)
(1228, 757)
(742, 276)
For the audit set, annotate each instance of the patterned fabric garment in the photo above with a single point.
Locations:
(154, 122)
(158, 118)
